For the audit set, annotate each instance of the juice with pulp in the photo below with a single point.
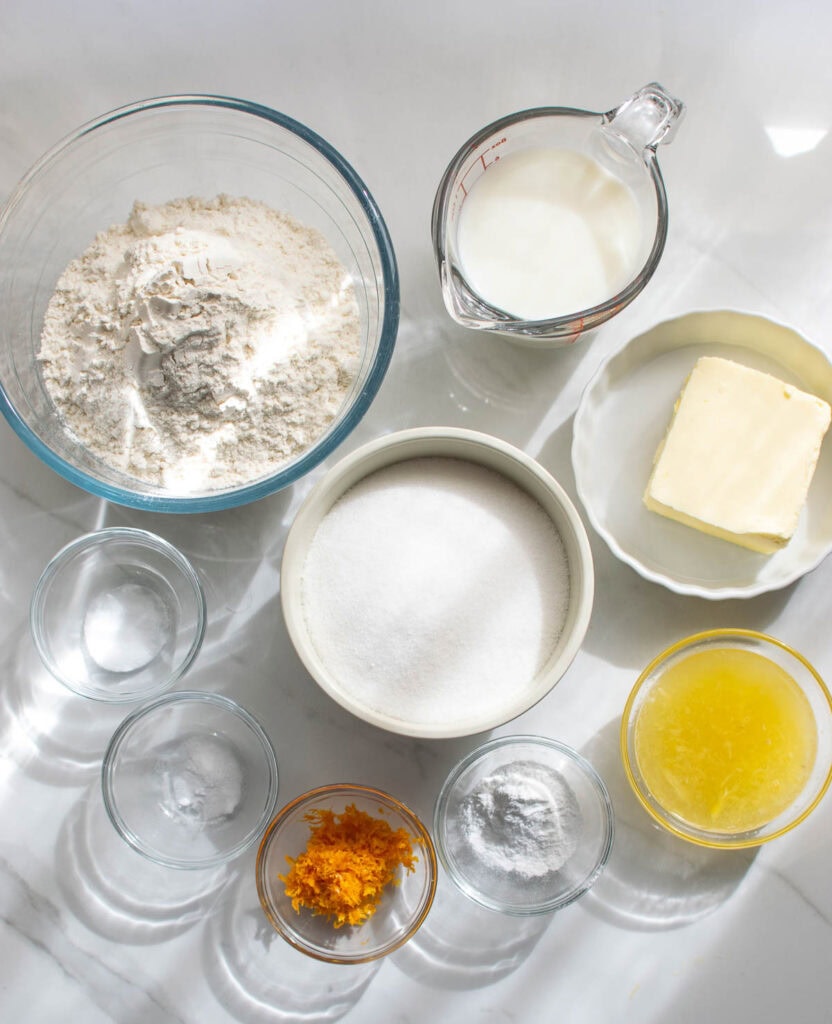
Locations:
(726, 740)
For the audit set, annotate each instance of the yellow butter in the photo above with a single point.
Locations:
(739, 455)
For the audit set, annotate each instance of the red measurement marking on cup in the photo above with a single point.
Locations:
(480, 164)
(580, 330)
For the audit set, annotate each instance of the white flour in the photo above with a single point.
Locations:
(203, 343)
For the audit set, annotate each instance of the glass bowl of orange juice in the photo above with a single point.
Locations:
(726, 738)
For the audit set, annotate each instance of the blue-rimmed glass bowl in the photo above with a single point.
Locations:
(155, 151)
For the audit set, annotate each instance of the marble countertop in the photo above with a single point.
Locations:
(89, 931)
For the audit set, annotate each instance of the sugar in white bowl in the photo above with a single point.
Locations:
(433, 583)
(430, 591)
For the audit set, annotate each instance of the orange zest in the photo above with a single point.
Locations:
(348, 861)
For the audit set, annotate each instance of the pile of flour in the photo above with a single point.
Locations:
(203, 343)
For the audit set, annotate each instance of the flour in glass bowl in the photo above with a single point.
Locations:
(203, 343)
(433, 588)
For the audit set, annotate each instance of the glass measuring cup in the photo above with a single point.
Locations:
(623, 141)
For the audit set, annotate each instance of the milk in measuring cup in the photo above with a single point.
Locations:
(548, 232)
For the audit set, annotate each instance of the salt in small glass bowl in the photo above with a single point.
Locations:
(118, 615)
(189, 780)
(547, 771)
(402, 908)
(811, 686)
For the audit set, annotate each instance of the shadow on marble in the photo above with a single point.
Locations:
(237, 555)
(462, 945)
(504, 376)
(42, 501)
(653, 880)
(120, 894)
(259, 978)
(53, 735)
(464, 378)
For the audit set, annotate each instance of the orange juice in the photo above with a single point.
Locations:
(725, 740)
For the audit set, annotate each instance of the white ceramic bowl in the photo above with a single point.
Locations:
(493, 454)
(622, 417)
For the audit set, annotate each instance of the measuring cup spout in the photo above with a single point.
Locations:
(648, 118)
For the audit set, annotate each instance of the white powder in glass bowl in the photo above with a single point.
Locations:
(434, 586)
(202, 344)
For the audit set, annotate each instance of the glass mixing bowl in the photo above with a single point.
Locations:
(524, 825)
(155, 151)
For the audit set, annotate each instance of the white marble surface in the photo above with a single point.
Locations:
(88, 933)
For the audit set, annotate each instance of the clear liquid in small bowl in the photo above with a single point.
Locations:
(128, 626)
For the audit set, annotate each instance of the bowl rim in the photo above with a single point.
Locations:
(99, 538)
(401, 446)
(108, 772)
(414, 823)
(217, 500)
(478, 754)
(692, 834)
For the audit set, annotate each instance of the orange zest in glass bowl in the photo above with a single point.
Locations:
(348, 861)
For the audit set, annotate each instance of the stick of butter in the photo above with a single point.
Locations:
(739, 455)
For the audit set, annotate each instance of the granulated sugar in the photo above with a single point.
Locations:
(433, 587)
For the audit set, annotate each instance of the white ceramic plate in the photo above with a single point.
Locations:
(622, 417)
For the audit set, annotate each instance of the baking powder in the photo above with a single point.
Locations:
(202, 344)
(523, 820)
(435, 588)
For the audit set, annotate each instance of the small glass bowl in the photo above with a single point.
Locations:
(491, 813)
(118, 615)
(189, 780)
(157, 150)
(813, 689)
(403, 906)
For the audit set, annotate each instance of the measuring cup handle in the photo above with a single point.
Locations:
(648, 118)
